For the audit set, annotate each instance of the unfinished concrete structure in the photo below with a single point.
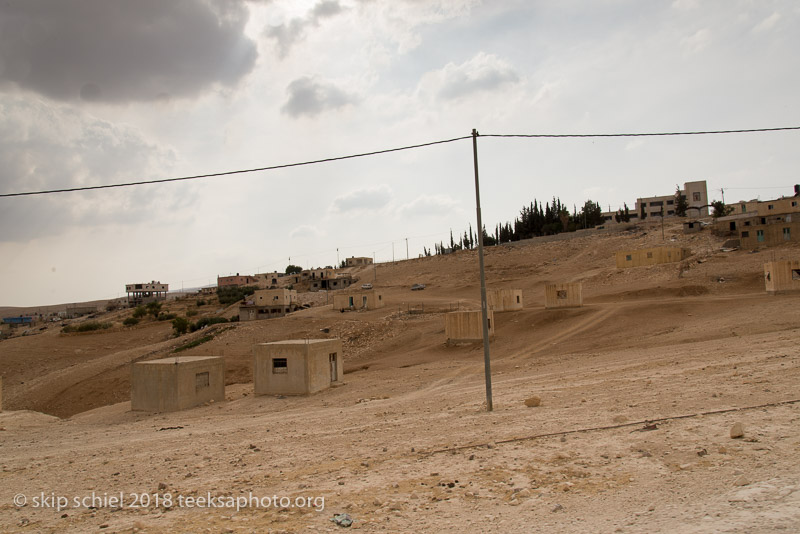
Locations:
(564, 295)
(297, 367)
(504, 299)
(782, 276)
(358, 300)
(466, 327)
(139, 294)
(650, 256)
(267, 303)
(177, 383)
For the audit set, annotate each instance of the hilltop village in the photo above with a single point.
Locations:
(644, 376)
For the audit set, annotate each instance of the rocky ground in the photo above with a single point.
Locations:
(621, 416)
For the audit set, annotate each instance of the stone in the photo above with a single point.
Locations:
(533, 402)
(741, 481)
(737, 431)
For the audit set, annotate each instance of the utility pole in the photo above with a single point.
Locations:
(406, 248)
(337, 258)
(392, 251)
(487, 368)
(723, 195)
(374, 269)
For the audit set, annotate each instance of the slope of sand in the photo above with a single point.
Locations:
(639, 390)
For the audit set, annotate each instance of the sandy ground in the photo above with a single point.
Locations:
(639, 392)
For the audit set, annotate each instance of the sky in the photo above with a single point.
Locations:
(96, 92)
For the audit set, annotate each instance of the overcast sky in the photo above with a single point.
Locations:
(105, 91)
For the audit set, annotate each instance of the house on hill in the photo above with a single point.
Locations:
(268, 303)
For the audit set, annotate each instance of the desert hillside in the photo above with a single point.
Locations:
(638, 391)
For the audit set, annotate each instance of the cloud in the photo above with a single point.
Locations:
(289, 33)
(482, 73)
(427, 205)
(310, 97)
(697, 41)
(305, 231)
(768, 23)
(45, 146)
(360, 200)
(118, 51)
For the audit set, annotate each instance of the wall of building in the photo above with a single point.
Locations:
(355, 262)
(246, 280)
(374, 300)
(650, 256)
(782, 276)
(566, 295)
(308, 368)
(274, 297)
(769, 235)
(171, 384)
(466, 326)
(504, 299)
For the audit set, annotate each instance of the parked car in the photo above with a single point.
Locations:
(417, 287)
(366, 286)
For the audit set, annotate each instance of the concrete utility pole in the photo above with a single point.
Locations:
(487, 368)
(406, 248)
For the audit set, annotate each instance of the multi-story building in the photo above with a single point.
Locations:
(696, 195)
(146, 292)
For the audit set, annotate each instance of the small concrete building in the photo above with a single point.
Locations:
(358, 300)
(692, 227)
(566, 295)
(504, 299)
(465, 326)
(297, 367)
(177, 383)
(782, 276)
(651, 256)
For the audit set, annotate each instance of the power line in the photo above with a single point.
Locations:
(654, 134)
(385, 151)
(242, 171)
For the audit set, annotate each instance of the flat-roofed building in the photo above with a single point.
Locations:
(297, 366)
(504, 299)
(782, 276)
(177, 383)
(146, 292)
(369, 299)
(650, 256)
(467, 326)
(563, 295)
(268, 303)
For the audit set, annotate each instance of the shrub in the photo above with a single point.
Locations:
(194, 343)
(207, 321)
(229, 295)
(191, 313)
(235, 319)
(181, 325)
(166, 316)
(139, 312)
(201, 303)
(153, 308)
(88, 326)
(130, 321)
